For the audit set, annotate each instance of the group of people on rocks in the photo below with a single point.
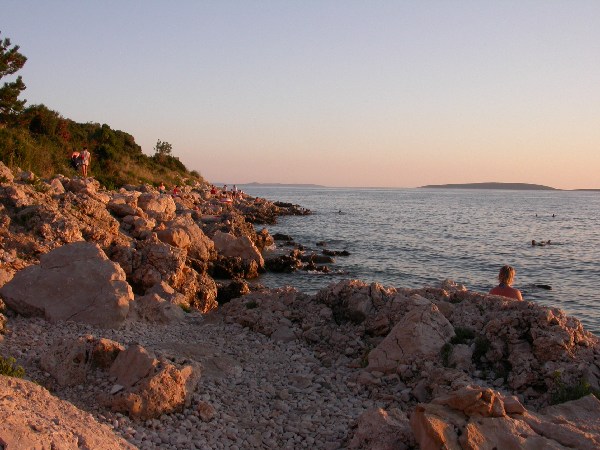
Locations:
(224, 193)
(162, 189)
(80, 161)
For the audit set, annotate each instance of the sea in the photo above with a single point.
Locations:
(413, 238)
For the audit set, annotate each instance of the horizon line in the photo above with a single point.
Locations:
(430, 186)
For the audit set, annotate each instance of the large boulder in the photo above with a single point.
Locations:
(417, 337)
(124, 204)
(155, 261)
(31, 418)
(158, 206)
(354, 300)
(74, 282)
(83, 185)
(227, 244)
(132, 365)
(200, 290)
(184, 233)
(152, 388)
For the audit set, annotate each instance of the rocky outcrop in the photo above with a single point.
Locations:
(233, 267)
(155, 309)
(431, 341)
(125, 204)
(354, 300)
(158, 206)
(475, 417)
(152, 388)
(74, 282)
(30, 417)
(419, 335)
(70, 361)
(155, 261)
(184, 233)
(229, 245)
(153, 237)
(229, 291)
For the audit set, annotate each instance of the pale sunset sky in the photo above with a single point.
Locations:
(337, 93)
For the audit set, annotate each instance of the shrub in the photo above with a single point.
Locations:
(251, 304)
(482, 345)
(564, 393)
(8, 368)
(445, 353)
(43, 140)
(462, 335)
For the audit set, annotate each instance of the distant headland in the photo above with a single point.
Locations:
(255, 184)
(493, 185)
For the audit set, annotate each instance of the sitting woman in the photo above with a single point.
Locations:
(506, 277)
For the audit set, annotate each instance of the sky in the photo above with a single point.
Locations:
(337, 93)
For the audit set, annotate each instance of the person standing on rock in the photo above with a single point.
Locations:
(75, 159)
(85, 161)
(505, 289)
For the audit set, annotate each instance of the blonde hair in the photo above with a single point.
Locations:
(507, 275)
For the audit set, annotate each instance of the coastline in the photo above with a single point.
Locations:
(352, 366)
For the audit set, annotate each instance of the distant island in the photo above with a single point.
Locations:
(493, 185)
(281, 185)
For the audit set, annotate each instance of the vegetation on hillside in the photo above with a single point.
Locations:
(40, 140)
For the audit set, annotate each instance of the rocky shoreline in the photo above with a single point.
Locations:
(133, 307)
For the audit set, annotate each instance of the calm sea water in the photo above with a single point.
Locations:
(418, 237)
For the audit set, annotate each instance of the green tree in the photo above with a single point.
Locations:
(11, 61)
(162, 149)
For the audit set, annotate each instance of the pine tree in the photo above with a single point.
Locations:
(11, 61)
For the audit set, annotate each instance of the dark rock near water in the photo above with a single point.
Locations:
(336, 252)
(311, 266)
(233, 267)
(228, 291)
(282, 237)
(283, 264)
(317, 259)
